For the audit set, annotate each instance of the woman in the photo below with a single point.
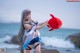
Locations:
(29, 28)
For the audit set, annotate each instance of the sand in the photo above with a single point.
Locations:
(58, 50)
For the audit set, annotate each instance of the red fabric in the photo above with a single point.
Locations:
(54, 23)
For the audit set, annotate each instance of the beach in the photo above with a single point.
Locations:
(55, 50)
(54, 41)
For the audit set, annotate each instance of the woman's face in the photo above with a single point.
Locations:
(28, 17)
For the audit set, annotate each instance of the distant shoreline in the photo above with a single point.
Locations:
(19, 24)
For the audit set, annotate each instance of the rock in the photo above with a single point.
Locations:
(14, 40)
(68, 50)
(2, 50)
(8, 42)
(75, 39)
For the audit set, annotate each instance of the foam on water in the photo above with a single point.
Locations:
(6, 38)
(48, 41)
(56, 42)
(6, 45)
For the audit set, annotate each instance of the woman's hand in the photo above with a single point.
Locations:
(46, 23)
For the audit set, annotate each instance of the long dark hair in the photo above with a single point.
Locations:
(22, 29)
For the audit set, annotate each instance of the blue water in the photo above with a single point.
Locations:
(59, 33)
(55, 38)
(13, 29)
(9, 29)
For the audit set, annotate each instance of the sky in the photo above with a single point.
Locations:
(68, 12)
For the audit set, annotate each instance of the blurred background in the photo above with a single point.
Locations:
(68, 12)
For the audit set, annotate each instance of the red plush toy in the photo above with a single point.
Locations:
(54, 23)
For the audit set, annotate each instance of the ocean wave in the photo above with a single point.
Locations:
(6, 45)
(6, 38)
(56, 42)
(48, 41)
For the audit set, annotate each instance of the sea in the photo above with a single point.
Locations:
(55, 38)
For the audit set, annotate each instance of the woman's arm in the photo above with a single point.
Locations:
(41, 25)
(27, 26)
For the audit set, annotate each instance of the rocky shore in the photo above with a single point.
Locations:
(74, 38)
